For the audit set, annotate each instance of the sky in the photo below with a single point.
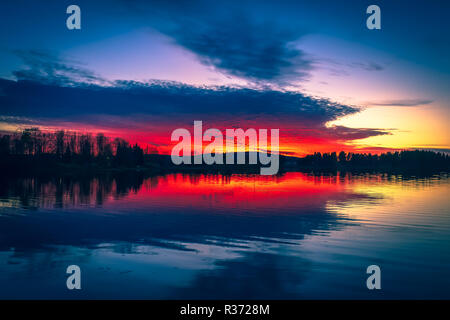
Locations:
(141, 69)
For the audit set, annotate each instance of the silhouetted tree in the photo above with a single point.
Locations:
(85, 148)
(59, 144)
(5, 144)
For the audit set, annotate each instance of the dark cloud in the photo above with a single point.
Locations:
(400, 102)
(45, 67)
(247, 49)
(368, 66)
(236, 38)
(341, 69)
(345, 133)
(32, 99)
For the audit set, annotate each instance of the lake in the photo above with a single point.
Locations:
(193, 236)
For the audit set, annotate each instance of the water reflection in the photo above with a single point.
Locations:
(216, 236)
(164, 210)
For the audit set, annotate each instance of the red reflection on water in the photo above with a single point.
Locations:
(291, 190)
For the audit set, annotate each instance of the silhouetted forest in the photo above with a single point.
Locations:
(414, 160)
(35, 150)
(70, 148)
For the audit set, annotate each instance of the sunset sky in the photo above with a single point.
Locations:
(140, 69)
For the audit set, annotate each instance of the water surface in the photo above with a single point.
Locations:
(295, 236)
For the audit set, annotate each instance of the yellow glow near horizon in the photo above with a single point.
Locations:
(412, 127)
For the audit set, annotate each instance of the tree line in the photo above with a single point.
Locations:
(406, 159)
(70, 147)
